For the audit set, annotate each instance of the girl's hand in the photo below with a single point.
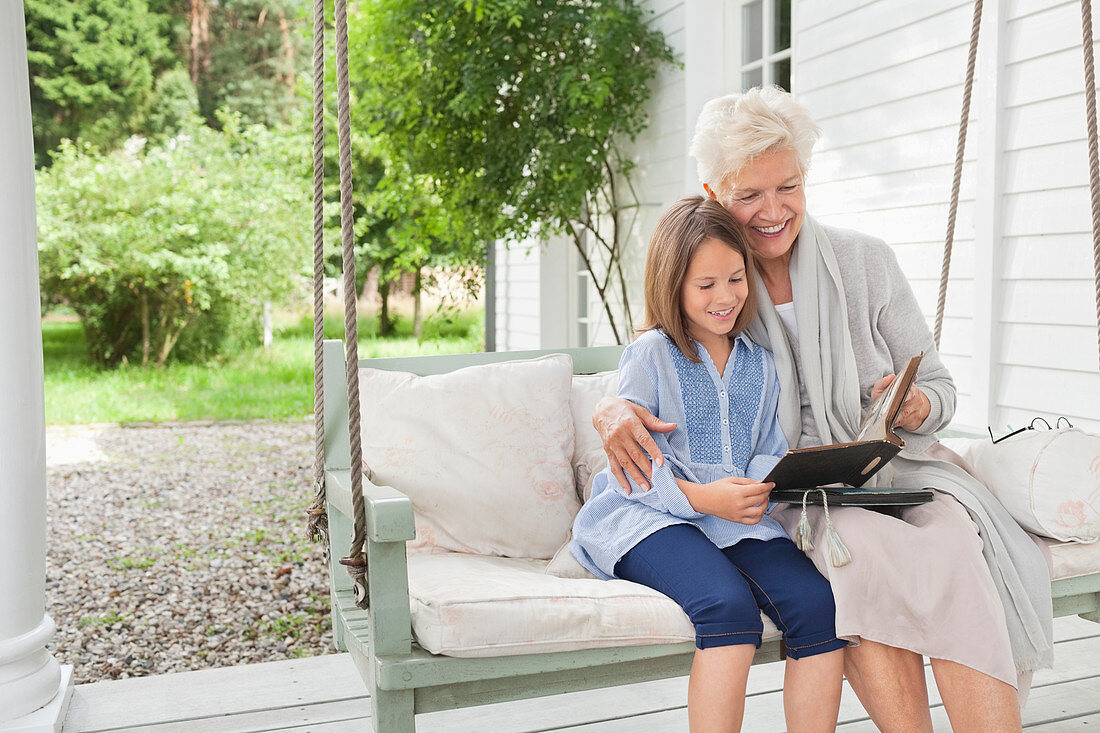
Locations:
(736, 498)
(624, 428)
(913, 411)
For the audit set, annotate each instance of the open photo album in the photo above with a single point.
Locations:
(852, 464)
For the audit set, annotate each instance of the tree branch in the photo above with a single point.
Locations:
(600, 289)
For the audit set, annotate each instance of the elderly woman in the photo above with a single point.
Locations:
(955, 580)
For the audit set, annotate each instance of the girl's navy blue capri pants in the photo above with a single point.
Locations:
(723, 590)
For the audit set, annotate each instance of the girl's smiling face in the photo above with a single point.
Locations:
(768, 200)
(714, 290)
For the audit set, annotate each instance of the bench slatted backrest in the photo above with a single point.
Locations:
(585, 361)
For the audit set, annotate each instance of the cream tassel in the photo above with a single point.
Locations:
(838, 553)
(803, 537)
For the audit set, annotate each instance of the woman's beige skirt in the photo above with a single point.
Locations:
(917, 582)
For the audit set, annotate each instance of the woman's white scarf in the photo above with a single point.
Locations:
(827, 364)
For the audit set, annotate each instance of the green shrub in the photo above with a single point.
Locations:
(171, 250)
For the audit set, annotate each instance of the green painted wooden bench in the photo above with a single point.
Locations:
(405, 680)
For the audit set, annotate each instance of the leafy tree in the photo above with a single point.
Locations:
(403, 225)
(93, 65)
(521, 107)
(246, 55)
(174, 105)
(171, 250)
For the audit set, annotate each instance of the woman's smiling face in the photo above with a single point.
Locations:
(768, 199)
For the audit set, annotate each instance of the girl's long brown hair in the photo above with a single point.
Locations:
(681, 229)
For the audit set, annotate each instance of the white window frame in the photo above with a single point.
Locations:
(770, 56)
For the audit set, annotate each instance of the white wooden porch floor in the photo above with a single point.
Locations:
(325, 694)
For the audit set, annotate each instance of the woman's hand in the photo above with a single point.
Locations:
(624, 428)
(736, 498)
(913, 411)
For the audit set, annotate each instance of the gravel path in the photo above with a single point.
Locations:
(180, 547)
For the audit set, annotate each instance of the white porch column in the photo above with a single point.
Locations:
(33, 690)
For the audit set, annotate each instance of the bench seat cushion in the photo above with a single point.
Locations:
(467, 605)
(1073, 559)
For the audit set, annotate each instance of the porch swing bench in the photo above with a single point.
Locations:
(407, 621)
(405, 678)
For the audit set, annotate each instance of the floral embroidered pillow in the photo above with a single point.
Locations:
(483, 453)
(1048, 480)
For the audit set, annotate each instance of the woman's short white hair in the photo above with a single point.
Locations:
(735, 129)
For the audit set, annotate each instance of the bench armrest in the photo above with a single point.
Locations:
(387, 628)
(389, 512)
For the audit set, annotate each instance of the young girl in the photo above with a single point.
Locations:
(702, 534)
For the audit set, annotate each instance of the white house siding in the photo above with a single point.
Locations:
(884, 81)
(517, 296)
(1049, 351)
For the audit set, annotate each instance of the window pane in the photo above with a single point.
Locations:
(753, 78)
(781, 74)
(752, 31)
(781, 26)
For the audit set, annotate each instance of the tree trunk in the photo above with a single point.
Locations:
(418, 313)
(146, 337)
(385, 327)
(269, 330)
(199, 17)
(170, 339)
(288, 54)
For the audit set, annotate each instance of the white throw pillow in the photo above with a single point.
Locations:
(1048, 480)
(483, 452)
(564, 565)
(588, 456)
(586, 391)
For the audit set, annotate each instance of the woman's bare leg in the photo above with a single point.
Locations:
(890, 683)
(811, 692)
(716, 688)
(975, 701)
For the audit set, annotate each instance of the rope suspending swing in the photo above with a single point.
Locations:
(356, 560)
(1094, 158)
(956, 181)
(318, 519)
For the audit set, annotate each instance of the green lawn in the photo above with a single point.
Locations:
(276, 382)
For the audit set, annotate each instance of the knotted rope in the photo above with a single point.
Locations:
(356, 561)
(956, 182)
(1094, 158)
(318, 519)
